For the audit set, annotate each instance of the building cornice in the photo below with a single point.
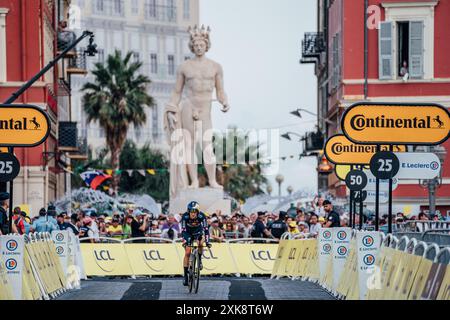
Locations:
(409, 4)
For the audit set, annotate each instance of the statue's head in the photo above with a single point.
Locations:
(199, 43)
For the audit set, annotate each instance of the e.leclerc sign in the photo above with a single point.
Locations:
(23, 126)
(404, 124)
(340, 150)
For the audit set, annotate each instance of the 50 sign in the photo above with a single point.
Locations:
(9, 167)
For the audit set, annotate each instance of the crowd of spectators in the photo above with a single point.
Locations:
(140, 223)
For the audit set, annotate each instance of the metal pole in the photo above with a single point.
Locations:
(377, 199)
(352, 219)
(361, 208)
(390, 201)
(432, 197)
(28, 84)
(11, 195)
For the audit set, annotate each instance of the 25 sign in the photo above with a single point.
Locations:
(384, 165)
(9, 167)
(356, 180)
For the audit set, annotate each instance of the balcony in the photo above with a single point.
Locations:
(313, 45)
(160, 13)
(77, 63)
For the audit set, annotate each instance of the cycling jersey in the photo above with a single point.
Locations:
(194, 229)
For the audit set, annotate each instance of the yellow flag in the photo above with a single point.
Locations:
(151, 172)
(109, 172)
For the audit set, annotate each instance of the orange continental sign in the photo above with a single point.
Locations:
(340, 150)
(406, 124)
(23, 126)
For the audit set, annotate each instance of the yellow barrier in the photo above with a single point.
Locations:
(444, 291)
(281, 257)
(348, 283)
(6, 292)
(126, 259)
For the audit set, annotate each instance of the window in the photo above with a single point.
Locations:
(410, 49)
(101, 55)
(336, 61)
(3, 13)
(136, 57)
(171, 60)
(186, 9)
(153, 63)
(151, 8)
(155, 130)
(134, 7)
(99, 6)
(118, 8)
(171, 10)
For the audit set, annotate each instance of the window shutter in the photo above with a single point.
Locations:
(416, 49)
(385, 50)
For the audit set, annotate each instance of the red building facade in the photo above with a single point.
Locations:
(411, 33)
(28, 42)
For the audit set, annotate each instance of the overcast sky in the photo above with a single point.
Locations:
(258, 43)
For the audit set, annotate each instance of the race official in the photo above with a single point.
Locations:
(333, 219)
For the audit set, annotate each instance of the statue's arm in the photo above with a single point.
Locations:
(221, 95)
(178, 91)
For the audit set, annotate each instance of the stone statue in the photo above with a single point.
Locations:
(187, 118)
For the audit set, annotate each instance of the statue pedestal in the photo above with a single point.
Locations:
(209, 199)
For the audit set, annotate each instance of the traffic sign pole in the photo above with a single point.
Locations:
(390, 201)
(351, 204)
(11, 195)
(361, 206)
(377, 199)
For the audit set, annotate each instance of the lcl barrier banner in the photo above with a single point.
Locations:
(122, 259)
(154, 259)
(280, 257)
(368, 245)
(341, 246)
(254, 258)
(325, 246)
(12, 248)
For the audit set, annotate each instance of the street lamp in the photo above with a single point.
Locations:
(298, 114)
(433, 184)
(269, 190)
(279, 179)
(290, 189)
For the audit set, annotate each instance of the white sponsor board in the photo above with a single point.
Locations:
(325, 244)
(416, 165)
(368, 246)
(341, 246)
(12, 248)
(384, 184)
(371, 195)
(61, 240)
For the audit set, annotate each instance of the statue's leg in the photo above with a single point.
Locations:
(190, 143)
(208, 155)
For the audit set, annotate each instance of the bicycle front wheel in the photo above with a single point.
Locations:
(197, 272)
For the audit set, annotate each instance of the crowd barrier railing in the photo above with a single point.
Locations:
(39, 266)
(367, 265)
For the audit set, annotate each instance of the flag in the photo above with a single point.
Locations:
(93, 178)
(151, 172)
(130, 172)
(141, 172)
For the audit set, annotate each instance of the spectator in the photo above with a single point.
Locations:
(259, 229)
(245, 227)
(171, 223)
(26, 222)
(115, 229)
(404, 72)
(139, 225)
(170, 233)
(62, 224)
(423, 217)
(86, 231)
(126, 227)
(333, 219)
(154, 230)
(293, 229)
(94, 225)
(73, 220)
(215, 232)
(314, 225)
(4, 206)
(18, 222)
(102, 228)
(279, 227)
(44, 223)
(303, 228)
(322, 221)
(318, 206)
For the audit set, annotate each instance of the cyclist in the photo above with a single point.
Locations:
(193, 227)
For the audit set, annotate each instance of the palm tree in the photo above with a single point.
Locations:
(116, 99)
